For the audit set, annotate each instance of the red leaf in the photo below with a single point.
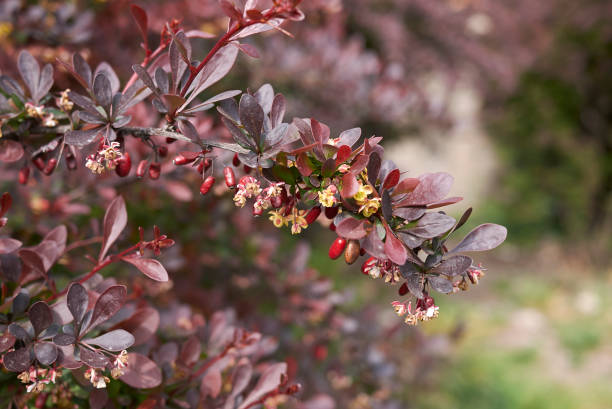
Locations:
(211, 383)
(140, 16)
(406, 186)
(107, 305)
(141, 372)
(394, 249)
(303, 164)
(5, 203)
(351, 228)
(391, 179)
(344, 152)
(249, 50)
(149, 267)
(190, 351)
(115, 221)
(445, 202)
(270, 380)
(9, 245)
(432, 187)
(349, 185)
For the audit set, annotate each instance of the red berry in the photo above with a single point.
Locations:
(142, 168)
(331, 212)
(50, 167)
(155, 170)
(332, 227)
(403, 290)
(162, 151)
(180, 160)
(39, 162)
(257, 211)
(207, 184)
(230, 178)
(236, 160)
(337, 247)
(24, 175)
(247, 169)
(312, 214)
(124, 165)
(170, 140)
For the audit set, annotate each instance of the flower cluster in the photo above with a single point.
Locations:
(425, 310)
(384, 269)
(105, 158)
(247, 188)
(64, 102)
(472, 275)
(39, 377)
(368, 206)
(37, 111)
(327, 196)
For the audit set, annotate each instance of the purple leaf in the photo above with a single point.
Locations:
(374, 246)
(432, 187)
(406, 186)
(349, 137)
(141, 372)
(18, 360)
(269, 380)
(277, 112)
(391, 179)
(77, 301)
(453, 266)
(7, 341)
(440, 284)
(40, 316)
(374, 163)
(415, 285)
(107, 305)
(10, 267)
(241, 378)
(249, 50)
(251, 115)
(149, 267)
(19, 332)
(94, 359)
(190, 351)
(8, 245)
(98, 397)
(64, 339)
(211, 383)
(102, 89)
(10, 151)
(116, 340)
(445, 202)
(45, 352)
(82, 69)
(82, 138)
(140, 16)
(115, 221)
(484, 237)
(29, 70)
(409, 213)
(351, 228)
(432, 225)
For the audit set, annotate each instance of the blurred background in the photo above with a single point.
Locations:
(512, 97)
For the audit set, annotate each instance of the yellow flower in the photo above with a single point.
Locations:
(64, 102)
(370, 207)
(327, 197)
(299, 221)
(277, 218)
(362, 194)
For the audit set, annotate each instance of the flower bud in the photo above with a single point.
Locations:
(155, 170)
(332, 227)
(162, 151)
(247, 169)
(368, 264)
(352, 251)
(236, 160)
(257, 211)
(312, 214)
(403, 290)
(230, 178)
(50, 167)
(71, 163)
(337, 247)
(207, 184)
(142, 168)
(24, 175)
(124, 165)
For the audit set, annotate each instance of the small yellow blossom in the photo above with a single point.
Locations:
(298, 220)
(370, 207)
(64, 102)
(277, 218)
(327, 197)
(362, 194)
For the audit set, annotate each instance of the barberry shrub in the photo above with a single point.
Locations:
(66, 336)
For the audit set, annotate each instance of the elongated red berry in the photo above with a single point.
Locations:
(332, 227)
(50, 167)
(124, 165)
(180, 160)
(337, 247)
(403, 290)
(141, 168)
(207, 184)
(351, 254)
(24, 175)
(236, 160)
(230, 178)
(312, 214)
(39, 162)
(154, 170)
